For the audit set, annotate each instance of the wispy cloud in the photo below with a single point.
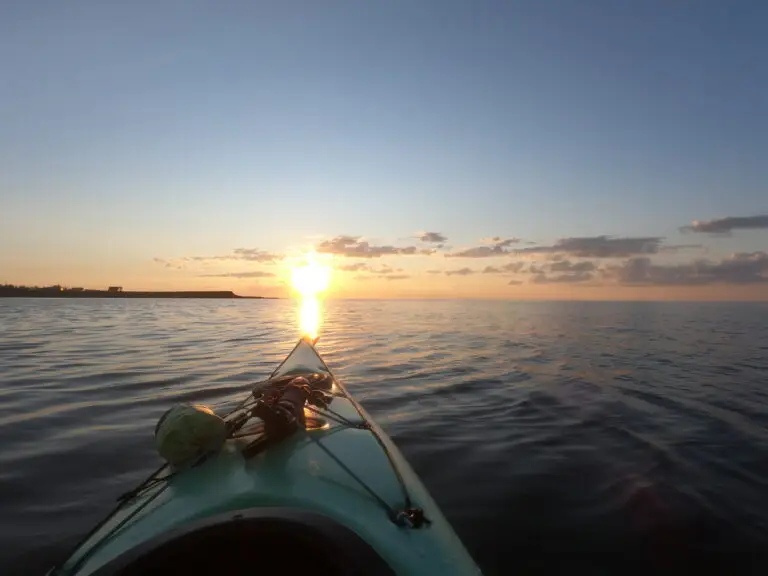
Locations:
(238, 254)
(572, 267)
(460, 272)
(356, 247)
(739, 268)
(679, 247)
(728, 224)
(432, 237)
(250, 274)
(208, 258)
(356, 267)
(384, 270)
(246, 254)
(169, 263)
(514, 282)
(598, 247)
(562, 278)
(511, 267)
(255, 255)
(562, 271)
(496, 247)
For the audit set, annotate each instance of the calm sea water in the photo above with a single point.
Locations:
(555, 436)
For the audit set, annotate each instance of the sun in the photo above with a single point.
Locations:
(310, 280)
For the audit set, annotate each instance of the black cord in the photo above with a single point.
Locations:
(403, 487)
(414, 516)
(391, 512)
(398, 474)
(336, 417)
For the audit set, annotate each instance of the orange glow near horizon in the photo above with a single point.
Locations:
(310, 281)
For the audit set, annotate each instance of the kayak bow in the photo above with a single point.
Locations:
(336, 497)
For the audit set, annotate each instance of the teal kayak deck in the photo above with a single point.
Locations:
(313, 470)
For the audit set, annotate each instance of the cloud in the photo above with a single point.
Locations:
(599, 247)
(241, 254)
(562, 271)
(252, 274)
(477, 252)
(679, 247)
(514, 282)
(434, 271)
(175, 264)
(255, 255)
(728, 224)
(208, 258)
(498, 247)
(513, 267)
(432, 237)
(568, 266)
(573, 277)
(460, 272)
(739, 268)
(247, 254)
(384, 270)
(355, 247)
(499, 241)
(356, 267)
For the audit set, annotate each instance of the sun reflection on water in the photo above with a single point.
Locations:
(310, 280)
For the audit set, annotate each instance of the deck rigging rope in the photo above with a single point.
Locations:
(318, 402)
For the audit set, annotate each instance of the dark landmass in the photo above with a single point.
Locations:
(11, 291)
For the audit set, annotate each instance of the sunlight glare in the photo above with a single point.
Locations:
(309, 317)
(310, 280)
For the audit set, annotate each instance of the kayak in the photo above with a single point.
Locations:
(335, 497)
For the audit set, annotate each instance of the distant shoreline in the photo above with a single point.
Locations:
(116, 292)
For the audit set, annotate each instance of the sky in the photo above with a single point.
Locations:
(482, 149)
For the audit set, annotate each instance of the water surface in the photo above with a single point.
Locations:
(556, 437)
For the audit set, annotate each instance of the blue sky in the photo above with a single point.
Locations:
(141, 130)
